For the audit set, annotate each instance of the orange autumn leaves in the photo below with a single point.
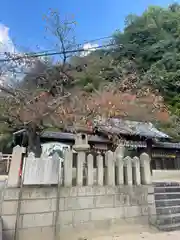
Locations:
(81, 108)
(84, 108)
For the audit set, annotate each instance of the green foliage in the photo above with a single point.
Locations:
(152, 41)
(148, 48)
(6, 143)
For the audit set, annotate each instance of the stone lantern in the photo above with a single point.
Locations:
(81, 142)
(81, 146)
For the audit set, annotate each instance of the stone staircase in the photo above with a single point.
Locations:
(167, 200)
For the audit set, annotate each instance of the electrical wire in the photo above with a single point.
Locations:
(55, 53)
(74, 45)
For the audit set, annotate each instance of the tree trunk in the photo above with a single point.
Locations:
(34, 143)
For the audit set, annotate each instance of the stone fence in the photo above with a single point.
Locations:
(75, 212)
(80, 169)
(77, 195)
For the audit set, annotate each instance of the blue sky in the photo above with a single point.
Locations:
(95, 18)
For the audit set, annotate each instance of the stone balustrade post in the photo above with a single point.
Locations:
(56, 164)
(110, 171)
(119, 154)
(68, 160)
(136, 171)
(13, 177)
(90, 167)
(81, 156)
(100, 170)
(128, 170)
(145, 169)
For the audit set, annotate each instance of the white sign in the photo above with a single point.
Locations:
(41, 171)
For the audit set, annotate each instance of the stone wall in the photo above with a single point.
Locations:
(80, 209)
(108, 190)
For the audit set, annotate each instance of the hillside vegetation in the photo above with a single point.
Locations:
(143, 61)
(147, 54)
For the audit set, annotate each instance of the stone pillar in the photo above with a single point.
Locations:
(119, 153)
(81, 146)
(128, 170)
(68, 168)
(54, 166)
(90, 167)
(110, 171)
(136, 171)
(13, 177)
(100, 170)
(152, 214)
(80, 163)
(145, 169)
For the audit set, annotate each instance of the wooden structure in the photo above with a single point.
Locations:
(137, 137)
(5, 161)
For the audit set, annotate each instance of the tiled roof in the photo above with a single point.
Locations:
(71, 136)
(112, 126)
(99, 139)
(126, 127)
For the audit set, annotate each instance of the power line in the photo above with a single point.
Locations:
(80, 44)
(95, 40)
(74, 45)
(44, 54)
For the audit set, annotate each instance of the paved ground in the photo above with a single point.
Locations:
(123, 230)
(143, 235)
(130, 231)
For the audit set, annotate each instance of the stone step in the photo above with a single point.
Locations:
(167, 189)
(167, 202)
(168, 219)
(167, 195)
(167, 184)
(167, 210)
(169, 227)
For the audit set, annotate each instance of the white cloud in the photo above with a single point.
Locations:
(6, 44)
(88, 47)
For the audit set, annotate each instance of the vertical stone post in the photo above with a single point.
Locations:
(54, 170)
(128, 170)
(100, 170)
(119, 154)
(152, 213)
(80, 163)
(110, 173)
(145, 169)
(81, 146)
(13, 177)
(90, 167)
(68, 168)
(136, 171)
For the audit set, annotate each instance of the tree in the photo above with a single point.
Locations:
(51, 94)
(151, 41)
(25, 106)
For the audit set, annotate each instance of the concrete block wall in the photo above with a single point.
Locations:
(79, 208)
